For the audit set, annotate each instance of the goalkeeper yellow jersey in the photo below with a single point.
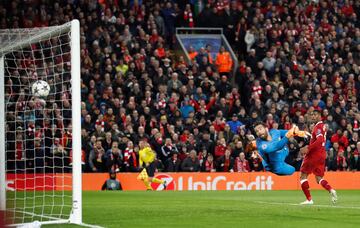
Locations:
(146, 155)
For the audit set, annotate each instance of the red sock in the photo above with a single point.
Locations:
(325, 184)
(305, 187)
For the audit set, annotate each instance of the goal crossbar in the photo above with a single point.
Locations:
(8, 44)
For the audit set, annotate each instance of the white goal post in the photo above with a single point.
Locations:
(37, 182)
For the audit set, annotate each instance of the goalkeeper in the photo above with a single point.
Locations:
(147, 160)
(272, 147)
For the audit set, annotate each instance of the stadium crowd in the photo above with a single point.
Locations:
(294, 57)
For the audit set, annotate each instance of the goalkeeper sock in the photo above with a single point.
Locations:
(147, 184)
(325, 184)
(305, 188)
(158, 181)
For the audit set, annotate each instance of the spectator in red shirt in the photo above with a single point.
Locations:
(340, 139)
(341, 162)
(241, 164)
(219, 123)
(209, 164)
(220, 148)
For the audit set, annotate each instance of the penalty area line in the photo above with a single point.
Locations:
(314, 205)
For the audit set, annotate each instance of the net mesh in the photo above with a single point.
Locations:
(38, 129)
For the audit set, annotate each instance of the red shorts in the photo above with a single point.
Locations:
(313, 165)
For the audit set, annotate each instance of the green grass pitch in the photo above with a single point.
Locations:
(219, 209)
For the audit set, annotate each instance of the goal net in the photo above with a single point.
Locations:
(40, 158)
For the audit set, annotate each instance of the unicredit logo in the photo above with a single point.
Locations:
(213, 183)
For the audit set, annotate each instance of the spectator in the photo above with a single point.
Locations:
(228, 134)
(174, 84)
(237, 149)
(130, 158)
(169, 15)
(192, 53)
(97, 158)
(225, 163)
(220, 148)
(250, 38)
(340, 139)
(269, 63)
(234, 124)
(107, 143)
(172, 163)
(224, 62)
(191, 163)
(208, 165)
(168, 149)
(354, 162)
(223, 86)
(188, 16)
(241, 164)
(112, 183)
(295, 157)
(207, 144)
(59, 154)
(186, 109)
(331, 157)
(353, 141)
(114, 157)
(341, 162)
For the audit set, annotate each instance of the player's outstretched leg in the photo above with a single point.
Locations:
(147, 184)
(327, 186)
(159, 181)
(305, 188)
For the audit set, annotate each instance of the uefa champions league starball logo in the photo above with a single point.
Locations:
(170, 183)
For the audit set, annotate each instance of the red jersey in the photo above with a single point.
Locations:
(314, 161)
(317, 142)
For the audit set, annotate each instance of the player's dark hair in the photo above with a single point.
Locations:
(257, 123)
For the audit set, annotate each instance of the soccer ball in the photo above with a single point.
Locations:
(40, 88)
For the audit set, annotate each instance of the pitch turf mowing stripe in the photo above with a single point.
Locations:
(313, 205)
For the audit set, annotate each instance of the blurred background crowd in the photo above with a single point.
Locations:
(294, 57)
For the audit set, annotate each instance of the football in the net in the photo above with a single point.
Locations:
(40, 88)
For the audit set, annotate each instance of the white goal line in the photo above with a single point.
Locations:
(35, 215)
(57, 220)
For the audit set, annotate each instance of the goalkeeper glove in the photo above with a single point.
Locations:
(301, 134)
(291, 132)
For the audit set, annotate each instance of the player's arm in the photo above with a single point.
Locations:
(141, 162)
(150, 155)
(275, 146)
(263, 161)
(317, 143)
(283, 132)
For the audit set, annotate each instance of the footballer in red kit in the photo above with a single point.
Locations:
(314, 161)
